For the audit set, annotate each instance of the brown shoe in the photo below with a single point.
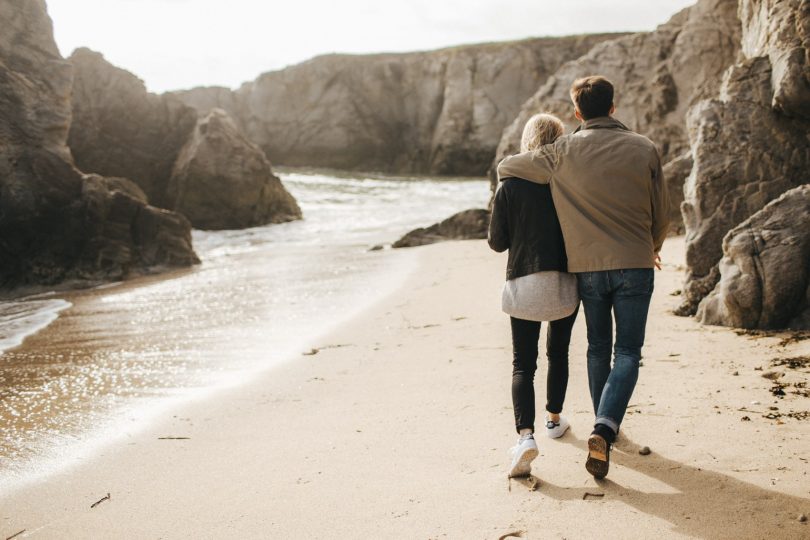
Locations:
(598, 460)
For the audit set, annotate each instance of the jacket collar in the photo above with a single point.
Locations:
(602, 122)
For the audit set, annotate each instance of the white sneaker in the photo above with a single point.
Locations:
(522, 456)
(555, 430)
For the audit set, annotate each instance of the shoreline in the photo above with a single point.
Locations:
(92, 336)
(398, 427)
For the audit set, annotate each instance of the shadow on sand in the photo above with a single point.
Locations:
(708, 504)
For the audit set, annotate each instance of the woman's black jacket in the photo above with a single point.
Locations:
(525, 222)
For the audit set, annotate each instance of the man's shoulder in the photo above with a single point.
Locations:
(611, 136)
(640, 139)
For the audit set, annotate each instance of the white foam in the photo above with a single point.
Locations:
(21, 319)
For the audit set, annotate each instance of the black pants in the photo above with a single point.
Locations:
(525, 335)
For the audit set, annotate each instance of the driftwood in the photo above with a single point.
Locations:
(101, 500)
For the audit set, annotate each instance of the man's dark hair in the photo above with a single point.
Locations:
(593, 96)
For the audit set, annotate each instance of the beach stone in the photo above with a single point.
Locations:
(645, 451)
(465, 225)
(802, 518)
(749, 143)
(57, 224)
(658, 75)
(436, 112)
(764, 273)
(221, 180)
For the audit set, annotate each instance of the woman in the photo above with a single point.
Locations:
(538, 288)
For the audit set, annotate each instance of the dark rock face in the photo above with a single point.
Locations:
(120, 129)
(657, 76)
(676, 172)
(223, 181)
(747, 150)
(206, 170)
(121, 228)
(55, 223)
(466, 225)
(112, 183)
(765, 270)
(439, 112)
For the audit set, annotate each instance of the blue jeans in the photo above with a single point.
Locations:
(624, 294)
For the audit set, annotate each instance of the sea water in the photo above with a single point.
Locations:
(97, 359)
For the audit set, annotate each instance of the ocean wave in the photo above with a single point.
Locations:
(21, 319)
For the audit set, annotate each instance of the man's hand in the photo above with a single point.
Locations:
(657, 261)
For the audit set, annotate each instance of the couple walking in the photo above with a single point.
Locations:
(583, 216)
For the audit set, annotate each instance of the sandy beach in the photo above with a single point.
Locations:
(398, 426)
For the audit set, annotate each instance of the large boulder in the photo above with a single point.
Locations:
(750, 144)
(204, 168)
(765, 270)
(438, 112)
(657, 75)
(465, 225)
(120, 129)
(55, 223)
(223, 181)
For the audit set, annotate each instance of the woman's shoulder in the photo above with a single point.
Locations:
(514, 184)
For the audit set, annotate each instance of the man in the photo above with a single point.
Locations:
(611, 198)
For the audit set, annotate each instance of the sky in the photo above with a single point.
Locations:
(176, 44)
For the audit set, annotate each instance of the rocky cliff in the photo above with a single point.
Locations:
(780, 30)
(724, 89)
(658, 75)
(120, 129)
(750, 143)
(57, 224)
(206, 170)
(438, 112)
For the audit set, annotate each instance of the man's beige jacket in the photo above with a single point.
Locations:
(609, 192)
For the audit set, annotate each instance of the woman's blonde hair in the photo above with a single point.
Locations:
(540, 129)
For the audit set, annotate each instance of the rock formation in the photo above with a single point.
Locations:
(465, 225)
(750, 144)
(658, 75)
(780, 30)
(120, 129)
(765, 270)
(676, 171)
(724, 89)
(55, 223)
(438, 112)
(206, 170)
(223, 181)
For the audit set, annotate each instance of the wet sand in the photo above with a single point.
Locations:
(398, 427)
